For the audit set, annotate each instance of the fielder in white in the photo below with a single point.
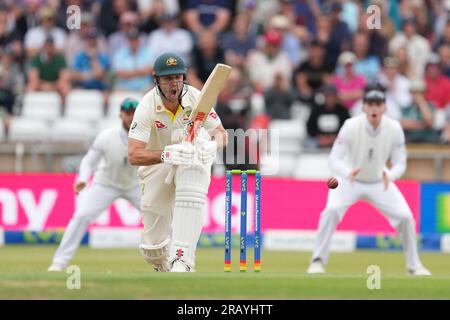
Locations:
(173, 213)
(113, 179)
(358, 158)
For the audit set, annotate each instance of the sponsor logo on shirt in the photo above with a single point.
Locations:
(213, 115)
(134, 125)
(160, 125)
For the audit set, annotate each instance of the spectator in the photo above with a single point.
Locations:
(312, 73)
(238, 42)
(110, 12)
(119, 39)
(147, 8)
(306, 12)
(263, 65)
(326, 118)
(404, 63)
(77, 39)
(48, 70)
(7, 32)
(444, 56)
(170, 38)
(367, 65)
(438, 85)
(279, 98)
(152, 14)
(417, 46)
(397, 85)
(26, 17)
(349, 84)
(212, 15)
(340, 37)
(35, 38)
(350, 14)
(132, 65)
(257, 19)
(91, 65)
(417, 118)
(445, 38)
(205, 56)
(377, 38)
(291, 44)
(11, 80)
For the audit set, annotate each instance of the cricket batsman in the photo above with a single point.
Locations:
(358, 159)
(113, 179)
(172, 213)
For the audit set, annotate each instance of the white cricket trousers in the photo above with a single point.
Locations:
(93, 202)
(390, 202)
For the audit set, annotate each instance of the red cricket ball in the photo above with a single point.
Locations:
(332, 183)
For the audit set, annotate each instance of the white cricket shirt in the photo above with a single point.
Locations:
(159, 127)
(110, 151)
(359, 145)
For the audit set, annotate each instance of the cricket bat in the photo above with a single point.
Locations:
(207, 99)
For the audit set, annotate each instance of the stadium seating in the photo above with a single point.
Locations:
(28, 129)
(107, 123)
(291, 134)
(84, 105)
(71, 130)
(42, 105)
(281, 166)
(312, 166)
(116, 98)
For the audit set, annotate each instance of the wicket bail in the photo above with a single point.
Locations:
(243, 230)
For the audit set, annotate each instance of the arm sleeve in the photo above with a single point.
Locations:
(398, 157)
(91, 159)
(339, 150)
(141, 125)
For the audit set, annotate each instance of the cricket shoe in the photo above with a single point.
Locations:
(57, 267)
(316, 267)
(421, 271)
(181, 266)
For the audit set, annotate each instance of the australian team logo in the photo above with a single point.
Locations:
(160, 125)
(186, 116)
(171, 62)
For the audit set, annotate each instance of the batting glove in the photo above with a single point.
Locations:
(178, 154)
(207, 151)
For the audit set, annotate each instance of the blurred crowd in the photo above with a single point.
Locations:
(316, 56)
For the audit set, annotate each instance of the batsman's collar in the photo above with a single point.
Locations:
(185, 102)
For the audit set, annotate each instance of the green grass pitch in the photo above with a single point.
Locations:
(122, 274)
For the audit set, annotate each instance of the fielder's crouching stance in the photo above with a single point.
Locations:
(114, 178)
(172, 213)
(358, 158)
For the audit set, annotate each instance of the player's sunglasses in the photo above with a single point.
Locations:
(129, 105)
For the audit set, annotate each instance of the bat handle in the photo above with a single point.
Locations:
(170, 175)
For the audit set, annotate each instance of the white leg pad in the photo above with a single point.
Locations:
(190, 197)
(157, 255)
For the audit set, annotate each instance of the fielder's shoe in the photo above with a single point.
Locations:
(421, 271)
(181, 266)
(316, 267)
(57, 267)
